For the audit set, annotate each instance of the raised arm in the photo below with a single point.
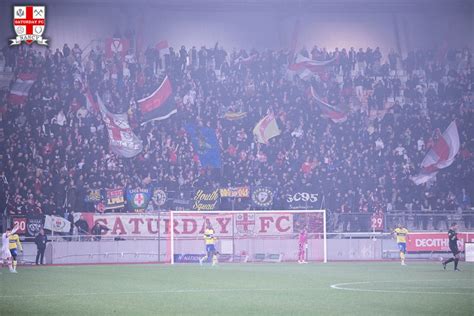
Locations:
(13, 230)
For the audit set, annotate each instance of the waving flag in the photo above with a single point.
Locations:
(267, 128)
(57, 224)
(162, 45)
(206, 145)
(21, 87)
(329, 111)
(159, 105)
(246, 60)
(91, 104)
(119, 46)
(122, 140)
(305, 67)
(440, 156)
(233, 116)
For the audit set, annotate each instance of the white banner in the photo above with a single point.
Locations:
(57, 224)
(193, 225)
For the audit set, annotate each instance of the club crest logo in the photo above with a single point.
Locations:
(159, 196)
(262, 196)
(29, 23)
(139, 200)
(245, 224)
(34, 225)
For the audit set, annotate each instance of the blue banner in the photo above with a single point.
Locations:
(138, 198)
(206, 145)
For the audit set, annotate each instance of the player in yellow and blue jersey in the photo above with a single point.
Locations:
(14, 245)
(402, 234)
(210, 240)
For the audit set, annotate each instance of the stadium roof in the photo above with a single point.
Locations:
(291, 5)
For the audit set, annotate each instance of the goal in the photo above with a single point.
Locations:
(248, 236)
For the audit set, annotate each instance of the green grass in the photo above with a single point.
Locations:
(244, 289)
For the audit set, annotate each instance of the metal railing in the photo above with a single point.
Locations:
(414, 220)
(430, 219)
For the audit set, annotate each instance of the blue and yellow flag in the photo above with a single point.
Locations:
(206, 145)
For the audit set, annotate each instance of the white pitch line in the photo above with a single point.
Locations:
(344, 287)
(158, 292)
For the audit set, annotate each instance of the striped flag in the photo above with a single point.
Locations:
(329, 111)
(267, 128)
(305, 67)
(21, 87)
(159, 105)
(234, 116)
(91, 104)
(440, 156)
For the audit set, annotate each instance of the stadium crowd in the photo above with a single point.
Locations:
(56, 148)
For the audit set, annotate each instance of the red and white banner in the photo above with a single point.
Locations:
(437, 242)
(21, 223)
(116, 46)
(440, 156)
(21, 87)
(376, 221)
(329, 111)
(193, 225)
(305, 67)
(122, 139)
(266, 128)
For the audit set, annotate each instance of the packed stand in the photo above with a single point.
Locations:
(56, 148)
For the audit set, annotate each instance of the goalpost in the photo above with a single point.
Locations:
(248, 236)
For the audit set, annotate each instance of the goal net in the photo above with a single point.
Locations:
(248, 236)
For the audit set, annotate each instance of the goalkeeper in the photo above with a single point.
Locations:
(210, 241)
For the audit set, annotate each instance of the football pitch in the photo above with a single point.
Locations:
(384, 288)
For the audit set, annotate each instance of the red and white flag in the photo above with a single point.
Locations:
(122, 139)
(329, 111)
(267, 128)
(91, 104)
(305, 67)
(162, 45)
(246, 60)
(21, 87)
(116, 46)
(440, 156)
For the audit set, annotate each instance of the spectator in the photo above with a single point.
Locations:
(97, 231)
(82, 226)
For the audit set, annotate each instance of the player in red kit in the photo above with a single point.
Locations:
(302, 244)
